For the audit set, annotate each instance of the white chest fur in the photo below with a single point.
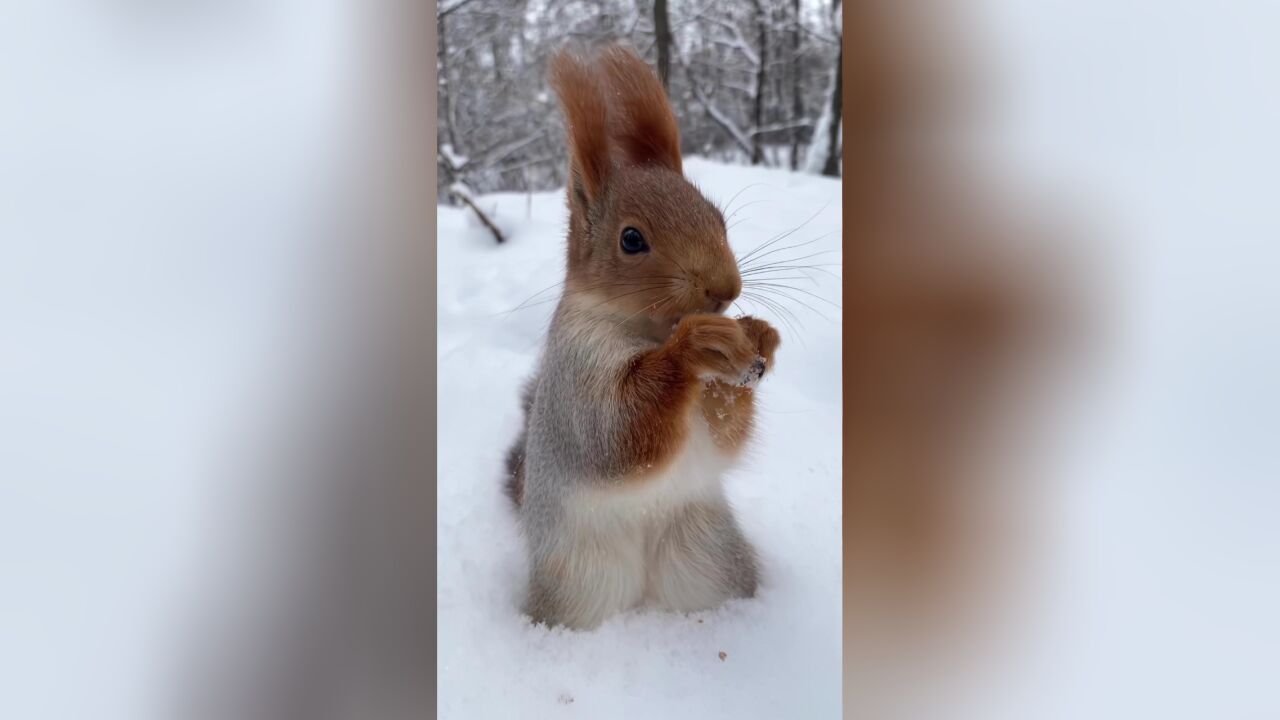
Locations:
(614, 533)
(695, 475)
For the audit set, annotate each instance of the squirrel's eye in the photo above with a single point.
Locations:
(633, 242)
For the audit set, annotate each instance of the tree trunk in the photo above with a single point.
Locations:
(446, 89)
(823, 155)
(444, 134)
(499, 58)
(662, 31)
(762, 25)
(832, 166)
(797, 86)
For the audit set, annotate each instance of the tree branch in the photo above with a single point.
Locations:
(445, 12)
(777, 127)
(742, 139)
(459, 191)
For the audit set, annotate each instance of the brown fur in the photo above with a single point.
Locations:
(514, 485)
(641, 122)
(658, 389)
(690, 267)
(730, 413)
(627, 154)
(664, 383)
(730, 409)
(689, 274)
(636, 337)
(583, 101)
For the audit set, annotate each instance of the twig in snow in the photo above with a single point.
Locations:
(459, 191)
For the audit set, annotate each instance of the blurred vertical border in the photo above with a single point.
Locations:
(953, 307)
(340, 621)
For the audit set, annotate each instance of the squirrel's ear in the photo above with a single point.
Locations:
(642, 123)
(586, 118)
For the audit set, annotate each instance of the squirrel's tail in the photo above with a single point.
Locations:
(514, 485)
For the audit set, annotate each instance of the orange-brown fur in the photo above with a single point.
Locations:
(626, 172)
(728, 408)
(615, 456)
(661, 385)
(584, 108)
(643, 135)
(641, 186)
(701, 344)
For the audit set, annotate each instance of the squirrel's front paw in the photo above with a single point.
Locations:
(714, 345)
(762, 335)
(764, 340)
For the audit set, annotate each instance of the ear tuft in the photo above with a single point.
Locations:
(641, 121)
(586, 119)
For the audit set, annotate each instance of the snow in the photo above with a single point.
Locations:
(781, 650)
(461, 189)
(455, 160)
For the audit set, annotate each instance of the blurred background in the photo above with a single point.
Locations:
(216, 265)
(1061, 409)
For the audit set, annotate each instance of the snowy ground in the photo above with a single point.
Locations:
(782, 649)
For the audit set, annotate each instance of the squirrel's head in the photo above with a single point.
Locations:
(643, 241)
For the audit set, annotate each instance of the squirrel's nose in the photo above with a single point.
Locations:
(719, 298)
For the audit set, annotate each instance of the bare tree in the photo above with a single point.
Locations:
(832, 165)
(662, 40)
(797, 85)
(446, 91)
(762, 64)
(824, 150)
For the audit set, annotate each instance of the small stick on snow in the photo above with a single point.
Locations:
(460, 192)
